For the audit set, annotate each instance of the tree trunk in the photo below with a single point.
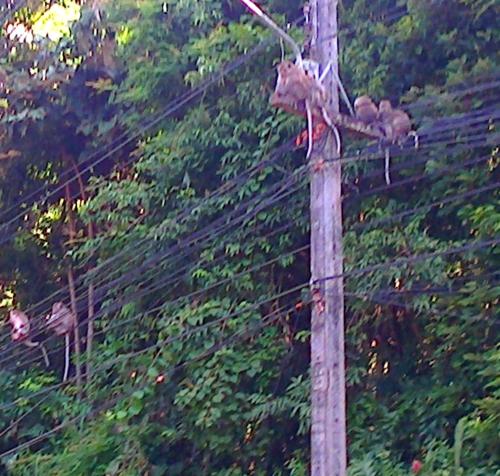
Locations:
(90, 301)
(72, 290)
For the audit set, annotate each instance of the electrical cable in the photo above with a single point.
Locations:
(414, 258)
(479, 244)
(125, 139)
(113, 401)
(448, 250)
(193, 237)
(403, 181)
(164, 342)
(406, 181)
(157, 286)
(438, 203)
(226, 69)
(426, 145)
(103, 267)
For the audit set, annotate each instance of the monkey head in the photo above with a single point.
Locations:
(384, 106)
(285, 68)
(20, 325)
(363, 101)
(61, 320)
(365, 109)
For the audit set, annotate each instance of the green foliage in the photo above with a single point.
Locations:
(201, 366)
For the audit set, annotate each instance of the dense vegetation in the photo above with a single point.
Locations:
(167, 204)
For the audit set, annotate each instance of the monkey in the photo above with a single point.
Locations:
(365, 110)
(292, 82)
(62, 321)
(297, 85)
(396, 126)
(20, 332)
(20, 325)
(314, 94)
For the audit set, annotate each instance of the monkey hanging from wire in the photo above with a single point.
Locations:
(20, 332)
(301, 81)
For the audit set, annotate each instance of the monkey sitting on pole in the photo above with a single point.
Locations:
(299, 82)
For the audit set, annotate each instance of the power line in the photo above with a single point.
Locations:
(395, 184)
(164, 342)
(172, 107)
(201, 88)
(424, 137)
(124, 139)
(392, 263)
(215, 228)
(250, 330)
(12, 450)
(209, 231)
(438, 203)
(392, 217)
(479, 244)
(443, 170)
(399, 261)
(159, 285)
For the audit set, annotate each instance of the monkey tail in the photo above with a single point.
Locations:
(66, 357)
(387, 165)
(45, 355)
(334, 128)
(337, 139)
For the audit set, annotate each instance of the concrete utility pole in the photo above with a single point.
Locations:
(328, 431)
